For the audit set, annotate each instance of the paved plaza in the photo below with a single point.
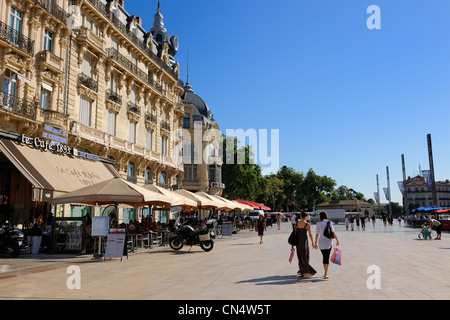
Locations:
(240, 268)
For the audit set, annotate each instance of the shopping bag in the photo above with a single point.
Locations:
(291, 256)
(337, 256)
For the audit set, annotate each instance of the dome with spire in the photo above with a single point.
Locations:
(189, 97)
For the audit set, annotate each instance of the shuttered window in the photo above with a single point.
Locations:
(86, 68)
(148, 143)
(85, 111)
(132, 133)
(111, 123)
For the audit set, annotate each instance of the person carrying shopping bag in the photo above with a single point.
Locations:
(324, 243)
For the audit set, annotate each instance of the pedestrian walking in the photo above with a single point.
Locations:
(303, 230)
(352, 222)
(261, 227)
(346, 222)
(293, 220)
(278, 221)
(373, 220)
(363, 222)
(357, 222)
(323, 243)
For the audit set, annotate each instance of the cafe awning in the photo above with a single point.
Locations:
(254, 204)
(115, 190)
(176, 199)
(202, 202)
(52, 174)
(221, 205)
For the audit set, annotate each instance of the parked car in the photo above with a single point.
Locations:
(254, 214)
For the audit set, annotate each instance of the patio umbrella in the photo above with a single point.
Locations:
(202, 202)
(232, 204)
(176, 199)
(221, 205)
(427, 209)
(116, 190)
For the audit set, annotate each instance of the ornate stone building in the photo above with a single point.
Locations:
(97, 74)
(88, 69)
(202, 170)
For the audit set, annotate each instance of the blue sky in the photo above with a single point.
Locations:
(348, 101)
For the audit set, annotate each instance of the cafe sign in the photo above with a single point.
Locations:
(46, 145)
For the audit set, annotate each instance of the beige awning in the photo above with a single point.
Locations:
(232, 204)
(53, 174)
(115, 190)
(221, 204)
(176, 199)
(202, 202)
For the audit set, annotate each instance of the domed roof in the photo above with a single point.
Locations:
(189, 97)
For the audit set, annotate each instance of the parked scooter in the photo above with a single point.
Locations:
(11, 241)
(184, 234)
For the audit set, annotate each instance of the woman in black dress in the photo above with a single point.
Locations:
(261, 227)
(303, 229)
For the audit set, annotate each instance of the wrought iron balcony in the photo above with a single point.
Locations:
(150, 117)
(104, 9)
(88, 82)
(134, 108)
(127, 63)
(54, 9)
(113, 96)
(165, 125)
(16, 38)
(18, 106)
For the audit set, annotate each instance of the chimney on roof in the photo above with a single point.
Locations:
(139, 20)
(122, 3)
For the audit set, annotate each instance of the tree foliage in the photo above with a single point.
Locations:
(285, 190)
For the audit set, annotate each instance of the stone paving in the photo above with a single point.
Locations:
(240, 268)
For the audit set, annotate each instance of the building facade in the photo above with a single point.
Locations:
(88, 69)
(419, 195)
(85, 75)
(202, 146)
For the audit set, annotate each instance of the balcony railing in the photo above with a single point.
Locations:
(50, 59)
(16, 38)
(104, 9)
(18, 106)
(165, 125)
(113, 96)
(54, 9)
(124, 61)
(88, 82)
(134, 108)
(150, 117)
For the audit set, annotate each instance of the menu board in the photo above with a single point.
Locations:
(100, 226)
(115, 245)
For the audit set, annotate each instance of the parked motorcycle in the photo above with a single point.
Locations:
(184, 234)
(11, 241)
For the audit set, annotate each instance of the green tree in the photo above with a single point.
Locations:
(242, 180)
(274, 191)
(315, 189)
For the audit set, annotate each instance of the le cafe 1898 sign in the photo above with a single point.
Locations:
(46, 145)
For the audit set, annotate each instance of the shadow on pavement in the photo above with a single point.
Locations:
(281, 280)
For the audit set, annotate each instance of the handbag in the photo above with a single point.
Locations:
(291, 255)
(292, 240)
(327, 231)
(337, 256)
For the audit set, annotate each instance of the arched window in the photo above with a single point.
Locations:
(131, 172)
(163, 180)
(148, 176)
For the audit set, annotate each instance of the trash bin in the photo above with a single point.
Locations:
(35, 244)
